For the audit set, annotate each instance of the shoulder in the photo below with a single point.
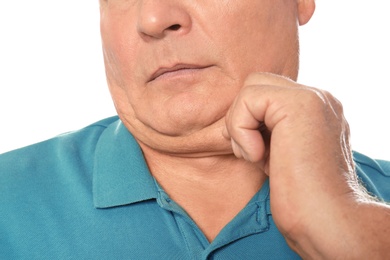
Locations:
(72, 149)
(375, 175)
(74, 136)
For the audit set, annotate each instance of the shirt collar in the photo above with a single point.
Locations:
(120, 174)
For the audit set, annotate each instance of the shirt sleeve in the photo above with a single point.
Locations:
(375, 175)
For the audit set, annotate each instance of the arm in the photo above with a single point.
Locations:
(303, 145)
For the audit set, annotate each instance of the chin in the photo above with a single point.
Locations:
(181, 120)
(195, 145)
(179, 128)
(189, 139)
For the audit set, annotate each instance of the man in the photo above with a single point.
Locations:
(218, 152)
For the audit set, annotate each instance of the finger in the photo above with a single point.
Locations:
(242, 126)
(265, 78)
(260, 78)
(247, 115)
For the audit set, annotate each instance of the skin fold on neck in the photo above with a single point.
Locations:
(212, 190)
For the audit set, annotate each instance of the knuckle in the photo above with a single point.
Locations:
(336, 105)
(255, 78)
(312, 97)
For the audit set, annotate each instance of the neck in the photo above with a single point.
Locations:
(211, 189)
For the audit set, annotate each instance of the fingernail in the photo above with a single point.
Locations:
(236, 149)
(225, 133)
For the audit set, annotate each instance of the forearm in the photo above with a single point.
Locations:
(300, 138)
(370, 228)
(359, 231)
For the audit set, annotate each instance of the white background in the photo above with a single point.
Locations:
(52, 77)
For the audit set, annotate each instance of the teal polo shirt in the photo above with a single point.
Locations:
(89, 195)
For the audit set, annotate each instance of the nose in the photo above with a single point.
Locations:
(158, 19)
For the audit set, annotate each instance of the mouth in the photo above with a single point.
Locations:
(176, 70)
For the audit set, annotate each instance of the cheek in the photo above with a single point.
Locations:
(260, 38)
(119, 47)
(118, 57)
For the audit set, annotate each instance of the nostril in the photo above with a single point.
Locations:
(174, 27)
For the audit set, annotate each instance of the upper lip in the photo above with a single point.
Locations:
(180, 66)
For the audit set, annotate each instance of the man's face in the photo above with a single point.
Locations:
(174, 67)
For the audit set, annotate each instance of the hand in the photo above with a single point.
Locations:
(300, 137)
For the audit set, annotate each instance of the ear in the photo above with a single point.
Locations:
(305, 10)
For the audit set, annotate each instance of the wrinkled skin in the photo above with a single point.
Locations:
(208, 90)
(173, 114)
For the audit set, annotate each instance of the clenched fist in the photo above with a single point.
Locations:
(300, 138)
